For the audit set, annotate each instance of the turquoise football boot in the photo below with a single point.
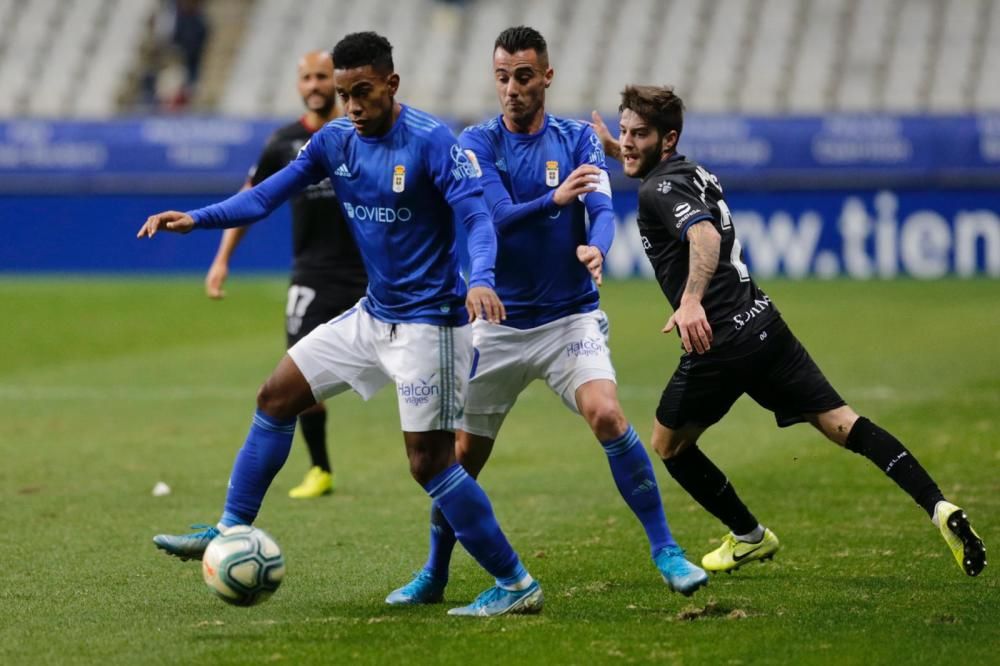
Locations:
(679, 574)
(423, 589)
(498, 601)
(187, 546)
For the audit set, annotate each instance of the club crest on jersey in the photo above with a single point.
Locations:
(399, 178)
(552, 173)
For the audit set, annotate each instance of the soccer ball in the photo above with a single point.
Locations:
(243, 565)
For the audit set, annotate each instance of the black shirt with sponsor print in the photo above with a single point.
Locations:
(674, 195)
(323, 249)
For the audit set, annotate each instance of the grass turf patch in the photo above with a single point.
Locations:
(110, 385)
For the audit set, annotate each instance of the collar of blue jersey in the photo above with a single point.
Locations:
(392, 130)
(525, 137)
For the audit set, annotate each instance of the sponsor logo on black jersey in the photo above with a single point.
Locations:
(759, 306)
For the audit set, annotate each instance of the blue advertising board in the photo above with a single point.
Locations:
(837, 195)
(847, 233)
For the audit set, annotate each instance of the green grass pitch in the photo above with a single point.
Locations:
(108, 386)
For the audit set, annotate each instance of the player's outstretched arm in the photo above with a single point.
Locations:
(171, 220)
(690, 319)
(611, 147)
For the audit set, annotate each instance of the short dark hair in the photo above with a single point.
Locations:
(522, 38)
(659, 105)
(363, 48)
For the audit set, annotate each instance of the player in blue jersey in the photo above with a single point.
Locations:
(542, 175)
(403, 182)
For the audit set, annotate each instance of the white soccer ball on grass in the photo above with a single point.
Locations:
(243, 565)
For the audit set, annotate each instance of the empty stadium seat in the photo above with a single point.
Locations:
(71, 58)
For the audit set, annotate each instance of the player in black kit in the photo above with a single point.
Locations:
(327, 274)
(736, 342)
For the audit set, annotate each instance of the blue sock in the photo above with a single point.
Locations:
(442, 544)
(262, 455)
(634, 477)
(467, 509)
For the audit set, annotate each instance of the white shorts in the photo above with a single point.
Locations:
(429, 365)
(567, 353)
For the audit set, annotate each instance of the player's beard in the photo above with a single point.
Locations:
(324, 109)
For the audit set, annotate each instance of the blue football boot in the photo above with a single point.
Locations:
(187, 546)
(498, 601)
(423, 589)
(679, 574)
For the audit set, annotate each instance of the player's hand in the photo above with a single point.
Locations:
(584, 179)
(592, 258)
(171, 220)
(611, 147)
(692, 324)
(215, 279)
(483, 302)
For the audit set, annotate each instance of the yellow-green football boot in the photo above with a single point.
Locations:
(968, 549)
(733, 554)
(316, 484)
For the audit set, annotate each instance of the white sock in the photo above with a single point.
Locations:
(753, 536)
(934, 516)
(522, 584)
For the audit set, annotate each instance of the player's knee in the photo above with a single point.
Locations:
(429, 454)
(668, 443)
(606, 419)
(835, 424)
(273, 402)
(424, 466)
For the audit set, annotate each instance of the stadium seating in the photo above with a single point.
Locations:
(67, 57)
(72, 58)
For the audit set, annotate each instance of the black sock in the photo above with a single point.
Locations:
(890, 456)
(709, 487)
(313, 426)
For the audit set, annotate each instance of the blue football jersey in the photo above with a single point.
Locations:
(399, 193)
(538, 276)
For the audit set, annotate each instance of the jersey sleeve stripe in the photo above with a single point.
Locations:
(421, 117)
(687, 225)
(414, 124)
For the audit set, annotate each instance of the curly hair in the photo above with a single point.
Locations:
(363, 48)
(658, 105)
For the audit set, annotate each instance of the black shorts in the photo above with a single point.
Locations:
(310, 305)
(775, 370)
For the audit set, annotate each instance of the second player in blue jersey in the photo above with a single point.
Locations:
(541, 176)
